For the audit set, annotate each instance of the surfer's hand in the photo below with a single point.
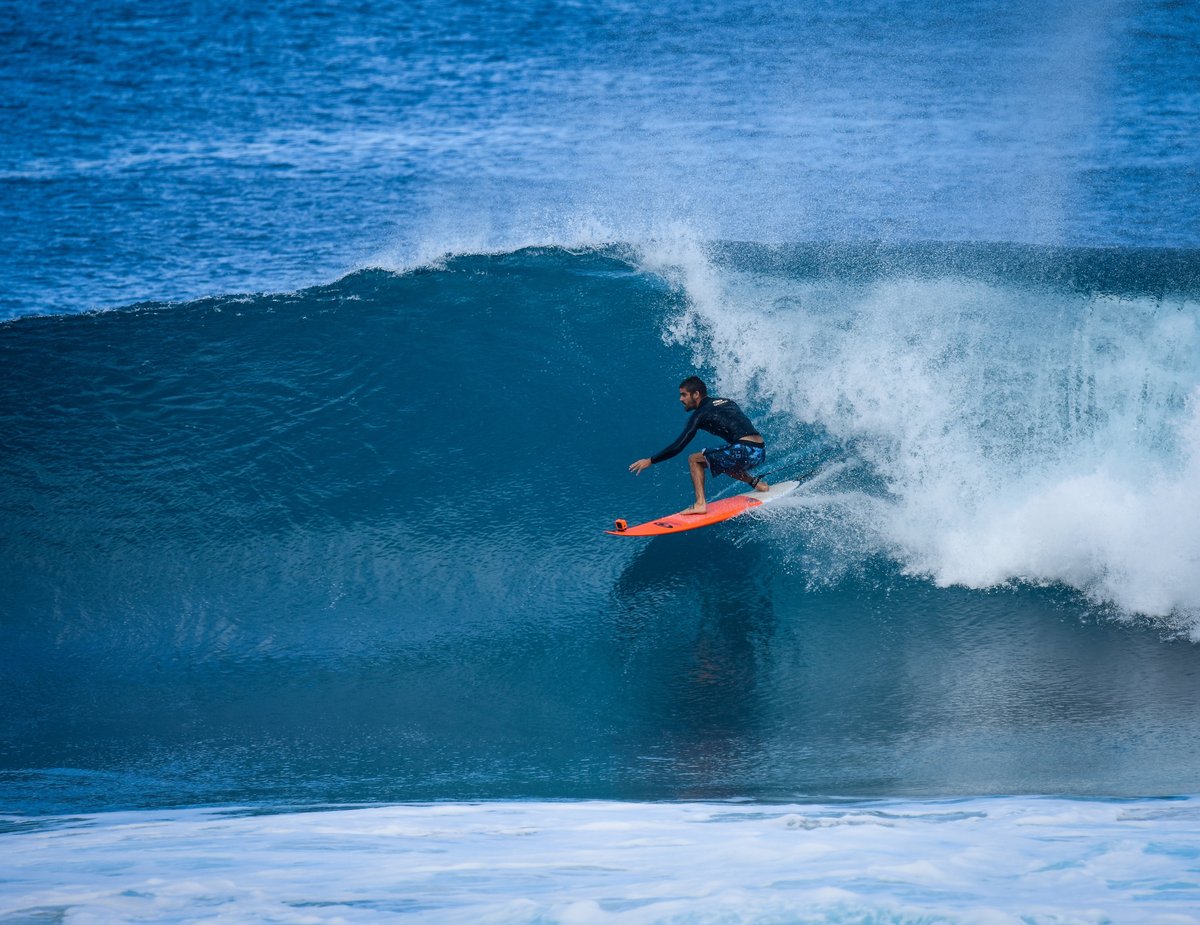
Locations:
(638, 466)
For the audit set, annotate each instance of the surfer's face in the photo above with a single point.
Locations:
(690, 400)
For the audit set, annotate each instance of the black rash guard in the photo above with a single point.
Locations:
(719, 416)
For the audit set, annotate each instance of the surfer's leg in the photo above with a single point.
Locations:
(755, 483)
(736, 460)
(697, 464)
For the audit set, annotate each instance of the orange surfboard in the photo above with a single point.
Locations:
(717, 512)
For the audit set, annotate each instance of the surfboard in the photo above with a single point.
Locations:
(717, 512)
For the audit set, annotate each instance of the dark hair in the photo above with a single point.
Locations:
(694, 384)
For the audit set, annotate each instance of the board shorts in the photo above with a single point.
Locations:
(735, 457)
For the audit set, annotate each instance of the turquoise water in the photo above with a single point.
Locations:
(348, 543)
(329, 335)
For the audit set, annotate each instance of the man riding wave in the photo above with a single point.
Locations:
(744, 447)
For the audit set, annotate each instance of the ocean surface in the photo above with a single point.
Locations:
(328, 333)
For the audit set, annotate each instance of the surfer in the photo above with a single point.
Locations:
(744, 447)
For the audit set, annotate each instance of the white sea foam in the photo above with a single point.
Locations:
(999, 860)
(576, 225)
(1017, 433)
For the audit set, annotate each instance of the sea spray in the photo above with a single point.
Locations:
(1022, 431)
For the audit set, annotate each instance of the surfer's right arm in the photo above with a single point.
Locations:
(674, 449)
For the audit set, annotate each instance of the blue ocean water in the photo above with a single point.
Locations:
(330, 331)
(179, 150)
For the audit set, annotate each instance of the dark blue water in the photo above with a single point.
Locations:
(316, 513)
(178, 150)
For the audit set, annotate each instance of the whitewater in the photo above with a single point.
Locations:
(1018, 429)
(983, 861)
(328, 333)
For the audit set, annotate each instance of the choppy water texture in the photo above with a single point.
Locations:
(314, 514)
(178, 150)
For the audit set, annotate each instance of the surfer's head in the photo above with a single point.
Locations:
(692, 391)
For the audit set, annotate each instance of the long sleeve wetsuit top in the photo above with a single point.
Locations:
(719, 416)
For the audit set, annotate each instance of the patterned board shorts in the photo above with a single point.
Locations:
(735, 457)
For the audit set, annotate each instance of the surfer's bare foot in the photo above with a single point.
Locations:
(762, 486)
(695, 509)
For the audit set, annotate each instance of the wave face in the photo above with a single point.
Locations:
(345, 543)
